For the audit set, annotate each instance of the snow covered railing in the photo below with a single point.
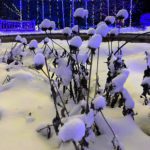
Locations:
(12, 25)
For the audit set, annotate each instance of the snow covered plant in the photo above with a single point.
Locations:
(46, 24)
(75, 44)
(102, 29)
(91, 31)
(33, 45)
(67, 31)
(39, 61)
(116, 66)
(75, 29)
(121, 16)
(81, 13)
(110, 20)
(146, 81)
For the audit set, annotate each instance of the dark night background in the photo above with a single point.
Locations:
(140, 7)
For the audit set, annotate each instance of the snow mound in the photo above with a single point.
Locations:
(73, 129)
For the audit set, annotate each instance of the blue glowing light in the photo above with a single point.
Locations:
(145, 19)
(10, 25)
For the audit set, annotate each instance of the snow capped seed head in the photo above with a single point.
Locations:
(114, 32)
(91, 31)
(80, 13)
(33, 44)
(76, 41)
(24, 41)
(47, 25)
(95, 41)
(46, 40)
(110, 20)
(75, 29)
(67, 31)
(39, 61)
(122, 14)
(102, 29)
(18, 38)
(72, 130)
(99, 102)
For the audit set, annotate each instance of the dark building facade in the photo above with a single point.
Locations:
(61, 11)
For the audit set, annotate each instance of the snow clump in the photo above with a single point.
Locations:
(99, 102)
(81, 13)
(129, 102)
(122, 14)
(110, 20)
(102, 29)
(114, 32)
(39, 61)
(76, 41)
(33, 44)
(67, 31)
(47, 25)
(119, 81)
(24, 41)
(75, 29)
(18, 38)
(95, 41)
(91, 31)
(73, 130)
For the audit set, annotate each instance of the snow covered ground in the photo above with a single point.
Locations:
(123, 30)
(28, 92)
